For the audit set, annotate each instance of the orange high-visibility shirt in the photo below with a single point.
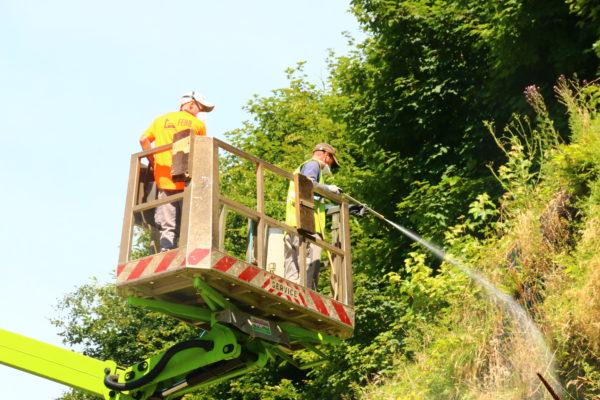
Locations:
(161, 132)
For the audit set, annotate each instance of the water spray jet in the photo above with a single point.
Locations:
(507, 302)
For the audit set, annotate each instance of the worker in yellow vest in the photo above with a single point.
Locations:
(319, 166)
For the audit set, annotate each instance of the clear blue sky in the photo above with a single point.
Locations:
(80, 81)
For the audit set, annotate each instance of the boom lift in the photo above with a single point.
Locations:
(245, 311)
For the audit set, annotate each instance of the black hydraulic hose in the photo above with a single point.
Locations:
(207, 372)
(110, 381)
(202, 374)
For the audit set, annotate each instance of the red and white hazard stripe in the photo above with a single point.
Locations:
(160, 262)
(257, 277)
(283, 288)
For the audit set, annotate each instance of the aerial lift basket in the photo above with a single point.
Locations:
(169, 276)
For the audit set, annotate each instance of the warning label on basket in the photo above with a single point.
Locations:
(283, 289)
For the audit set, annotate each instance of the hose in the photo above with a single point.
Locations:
(111, 381)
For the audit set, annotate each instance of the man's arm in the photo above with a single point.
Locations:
(312, 169)
(146, 145)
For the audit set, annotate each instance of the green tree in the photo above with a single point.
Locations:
(426, 79)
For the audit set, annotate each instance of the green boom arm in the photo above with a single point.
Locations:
(51, 362)
(235, 344)
(215, 357)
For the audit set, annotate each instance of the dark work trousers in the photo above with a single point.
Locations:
(291, 265)
(168, 219)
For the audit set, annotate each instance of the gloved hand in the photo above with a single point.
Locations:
(334, 189)
(357, 210)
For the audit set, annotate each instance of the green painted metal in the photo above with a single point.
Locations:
(307, 336)
(260, 362)
(225, 347)
(173, 309)
(286, 357)
(212, 297)
(53, 363)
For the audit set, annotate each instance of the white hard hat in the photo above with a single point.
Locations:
(195, 96)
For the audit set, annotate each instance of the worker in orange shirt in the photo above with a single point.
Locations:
(161, 132)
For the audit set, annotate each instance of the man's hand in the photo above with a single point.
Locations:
(334, 189)
(357, 210)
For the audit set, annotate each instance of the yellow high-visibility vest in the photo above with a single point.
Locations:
(290, 208)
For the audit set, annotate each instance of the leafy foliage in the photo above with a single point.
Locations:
(531, 257)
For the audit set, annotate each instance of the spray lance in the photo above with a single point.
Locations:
(434, 249)
(365, 207)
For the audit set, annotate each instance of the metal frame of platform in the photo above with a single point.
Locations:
(169, 275)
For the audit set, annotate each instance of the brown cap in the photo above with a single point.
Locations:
(329, 149)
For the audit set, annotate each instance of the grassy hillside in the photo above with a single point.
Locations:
(540, 245)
